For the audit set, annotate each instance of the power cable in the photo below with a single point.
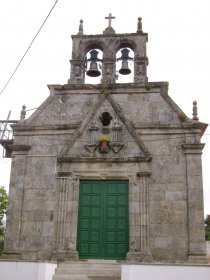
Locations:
(29, 47)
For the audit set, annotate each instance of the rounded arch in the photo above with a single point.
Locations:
(94, 44)
(125, 43)
(93, 68)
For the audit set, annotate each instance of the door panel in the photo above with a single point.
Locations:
(103, 220)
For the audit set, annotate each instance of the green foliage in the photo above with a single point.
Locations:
(207, 219)
(1, 246)
(3, 203)
(3, 209)
(207, 227)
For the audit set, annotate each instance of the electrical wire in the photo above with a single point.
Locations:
(16, 68)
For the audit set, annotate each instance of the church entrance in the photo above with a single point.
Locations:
(103, 220)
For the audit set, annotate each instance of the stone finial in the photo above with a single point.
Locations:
(23, 113)
(139, 25)
(195, 111)
(109, 29)
(80, 28)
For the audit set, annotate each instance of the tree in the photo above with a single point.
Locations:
(3, 208)
(207, 227)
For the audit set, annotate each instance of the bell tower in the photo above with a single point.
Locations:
(109, 43)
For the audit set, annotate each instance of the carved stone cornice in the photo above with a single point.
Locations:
(103, 159)
(10, 148)
(193, 148)
(25, 128)
(143, 174)
(63, 174)
(118, 35)
(15, 147)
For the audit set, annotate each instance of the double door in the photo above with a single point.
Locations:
(103, 220)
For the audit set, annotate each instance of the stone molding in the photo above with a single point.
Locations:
(68, 189)
(14, 147)
(140, 236)
(193, 148)
(196, 246)
(143, 174)
(106, 94)
(102, 159)
(68, 184)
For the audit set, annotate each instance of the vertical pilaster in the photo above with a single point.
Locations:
(139, 216)
(14, 224)
(62, 204)
(72, 217)
(144, 214)
(140, 69)
(108, 71)
(77, 75)
(67, 218)
(196, 240)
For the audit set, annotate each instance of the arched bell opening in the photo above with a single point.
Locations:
(125, 65)
(93, 66)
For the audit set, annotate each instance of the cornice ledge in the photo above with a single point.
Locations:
(112, 86)
(123, 35)
(143, 174)
(15, 147)
(199, 125)
(194, 148)
(24, 128)
(104, 160)
(63, 174)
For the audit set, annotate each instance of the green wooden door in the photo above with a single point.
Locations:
(103, 220)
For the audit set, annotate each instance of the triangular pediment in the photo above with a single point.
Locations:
(123, 143)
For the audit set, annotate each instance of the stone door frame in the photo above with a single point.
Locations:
(68, 202)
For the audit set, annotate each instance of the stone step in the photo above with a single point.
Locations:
(88, 264)
(69, 277)
(104, 278)
(83, 277)
(88, 270)
(92, 261)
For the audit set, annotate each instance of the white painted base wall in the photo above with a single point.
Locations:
(26, 270)
(165, 272)
(12, 270)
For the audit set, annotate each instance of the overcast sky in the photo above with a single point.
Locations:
(178, 50)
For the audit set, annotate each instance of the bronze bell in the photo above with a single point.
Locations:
(93, 70)
(124, 69)
(125, 57)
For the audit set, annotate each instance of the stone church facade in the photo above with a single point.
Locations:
(109, 170)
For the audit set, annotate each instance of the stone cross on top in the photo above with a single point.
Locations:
(110, 17)
(109, 29)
